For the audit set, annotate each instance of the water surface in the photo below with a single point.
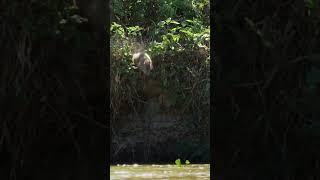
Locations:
(191, 171)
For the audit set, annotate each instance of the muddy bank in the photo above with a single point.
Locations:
(157, 133)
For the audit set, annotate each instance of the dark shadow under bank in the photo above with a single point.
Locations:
(159, 138)
(163, 154)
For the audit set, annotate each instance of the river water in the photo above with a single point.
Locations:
(191, 171)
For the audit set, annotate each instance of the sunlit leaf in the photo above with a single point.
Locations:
(178, 162)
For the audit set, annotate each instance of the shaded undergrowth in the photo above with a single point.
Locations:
(52, 92)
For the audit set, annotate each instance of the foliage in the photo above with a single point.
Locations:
(180, 36)
(48, 89)
(267, 92)
(172, 74)
(178, 162)
(174, 37)
(176, 34)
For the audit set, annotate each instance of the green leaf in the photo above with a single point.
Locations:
(174, 22)
(187, 162)
(168, 20)
(175, 29)
(161, 23)
(188, 33)
(175, 38)
(190, 21)
(178, 162)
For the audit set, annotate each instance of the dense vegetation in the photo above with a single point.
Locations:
(266, 117)
(266, 84)
(176, 34)
(52, 91)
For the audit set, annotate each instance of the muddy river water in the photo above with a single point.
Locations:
(191, 171)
